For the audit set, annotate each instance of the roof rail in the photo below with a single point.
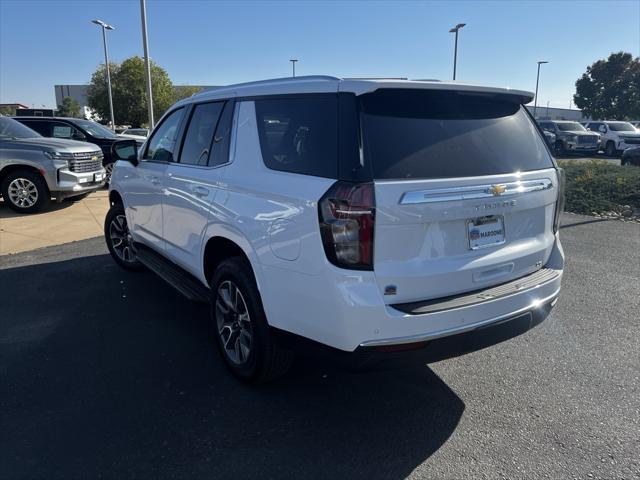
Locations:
(376, 78)
(273, 80)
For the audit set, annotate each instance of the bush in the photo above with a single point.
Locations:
(598, 186)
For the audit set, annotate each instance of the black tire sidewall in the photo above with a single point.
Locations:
(44, 196)
(237, 270)
(610, 152)
(118, 209)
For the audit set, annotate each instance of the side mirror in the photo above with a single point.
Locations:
(126, 150)
(603, 129)
(79, 136)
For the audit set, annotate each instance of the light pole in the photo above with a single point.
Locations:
(147, 62)
(293, 65)
(535, 103)
(105, 27)
(455, 49)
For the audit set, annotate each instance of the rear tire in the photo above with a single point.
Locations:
(240, 325)
(25, 191)
(118, 238)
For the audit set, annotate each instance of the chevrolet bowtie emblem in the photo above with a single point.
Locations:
(497, 190)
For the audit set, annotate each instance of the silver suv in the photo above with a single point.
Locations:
(33, 168)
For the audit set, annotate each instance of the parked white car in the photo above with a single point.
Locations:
(362, 217)
(615, 137)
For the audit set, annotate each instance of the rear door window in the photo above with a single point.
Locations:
(299, 134)
(222, 138)
(439, 134)
(199, 137)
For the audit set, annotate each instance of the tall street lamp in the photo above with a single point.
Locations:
(147, 62)
(293, 65)
(455, 49)
(105, 27)
(535, 103)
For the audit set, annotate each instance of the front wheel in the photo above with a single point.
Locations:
(119, 240)
(559, 148)
(108, 172)
(25, 191)
(241, 329)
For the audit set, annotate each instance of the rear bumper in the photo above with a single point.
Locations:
(348, 312)
(421, 350)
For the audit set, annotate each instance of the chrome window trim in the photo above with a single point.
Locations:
(475, 191)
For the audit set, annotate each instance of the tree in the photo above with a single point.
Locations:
(610, 89)
(8, 111)
(184, 91)
(69, 108)
(128, 85)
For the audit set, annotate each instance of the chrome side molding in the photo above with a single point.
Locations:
(475, 191)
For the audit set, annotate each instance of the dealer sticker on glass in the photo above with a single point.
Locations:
(485, 231)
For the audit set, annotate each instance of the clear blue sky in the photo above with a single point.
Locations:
(43, 43)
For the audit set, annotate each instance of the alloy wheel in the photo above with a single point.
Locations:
(234, 323)
(23, 193)
(121, 240)
(109, 170)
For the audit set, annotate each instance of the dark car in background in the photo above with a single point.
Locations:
(76, 129)
(571, 137)
(631, 156)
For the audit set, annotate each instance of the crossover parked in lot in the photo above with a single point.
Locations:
(571, 137)
(33, 169)
(615, 137)
(78, 129)
(362, 217)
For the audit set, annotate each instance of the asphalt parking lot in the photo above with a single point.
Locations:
(109, 374)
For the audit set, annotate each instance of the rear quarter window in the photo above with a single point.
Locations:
(299, 134)
(438, 134)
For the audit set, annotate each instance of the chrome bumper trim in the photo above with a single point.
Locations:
(454, 331)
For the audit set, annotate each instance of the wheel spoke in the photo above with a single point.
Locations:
(234, 325)
(116, 241)
(225, 295)
(231, 339)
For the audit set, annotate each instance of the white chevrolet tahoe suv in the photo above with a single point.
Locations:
(370, 219)
(615, 137)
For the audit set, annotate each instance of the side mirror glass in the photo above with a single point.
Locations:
(126, 150)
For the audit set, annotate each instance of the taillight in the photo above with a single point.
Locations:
(559, 200)
(347, 218)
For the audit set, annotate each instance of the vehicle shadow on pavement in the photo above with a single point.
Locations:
(105, 373)
(6, 212)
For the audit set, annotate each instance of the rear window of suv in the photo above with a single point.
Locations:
(437, 134)
(299, 134)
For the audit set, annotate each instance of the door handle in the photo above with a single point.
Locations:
(154, 180)
(200, 191)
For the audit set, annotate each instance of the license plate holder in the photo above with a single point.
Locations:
(485, 231)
